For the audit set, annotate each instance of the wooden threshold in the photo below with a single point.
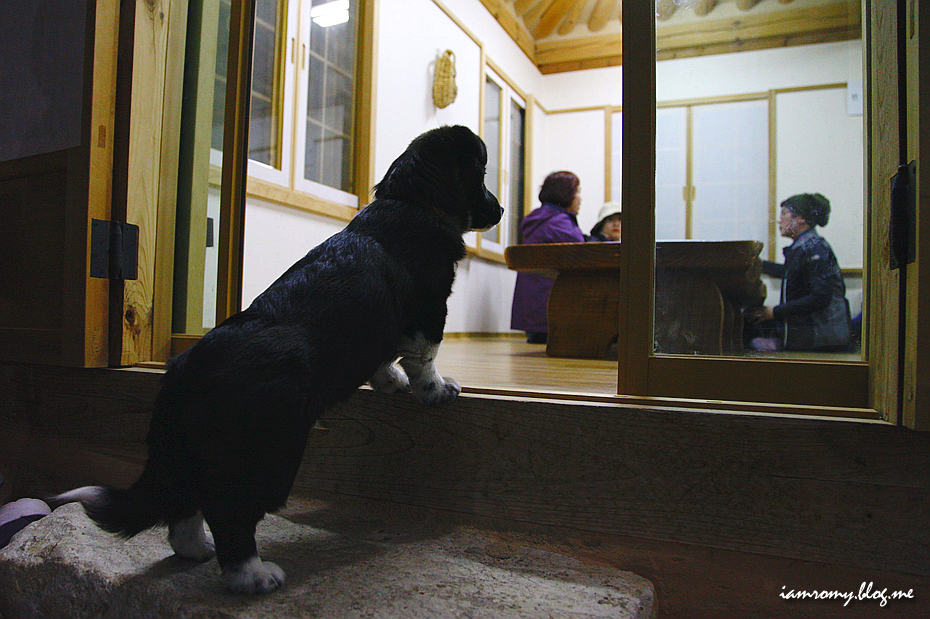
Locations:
(507, 367)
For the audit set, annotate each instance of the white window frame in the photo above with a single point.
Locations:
(294, 91)
(302, 67)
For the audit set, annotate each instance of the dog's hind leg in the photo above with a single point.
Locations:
(418, 358)
(189, 539)
(389, 378)
(243, 571)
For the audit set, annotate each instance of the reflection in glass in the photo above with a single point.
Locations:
(743, 123)
(492, 139)
(517, 145)
(198, 206)
(267, 82)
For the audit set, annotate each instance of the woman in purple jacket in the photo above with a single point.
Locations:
(553, 222)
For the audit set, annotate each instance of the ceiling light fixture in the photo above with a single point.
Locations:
(331, 13)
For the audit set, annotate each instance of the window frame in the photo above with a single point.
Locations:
(286, 185)
(485, 247)
(301, 60)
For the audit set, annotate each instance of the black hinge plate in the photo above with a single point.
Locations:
(114, 250)
(902, 233)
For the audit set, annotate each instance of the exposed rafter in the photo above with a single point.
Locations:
(600, 15)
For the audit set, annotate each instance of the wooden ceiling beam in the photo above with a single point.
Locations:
(553, 16)
(704, 7)
(745, 5)
(760, 31)
(600, 15)
(531, 18)
(513, 27)
(572, 50)
(522, 6)
(836, 21)
(572, 18)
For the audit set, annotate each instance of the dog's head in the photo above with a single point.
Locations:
(444, 168)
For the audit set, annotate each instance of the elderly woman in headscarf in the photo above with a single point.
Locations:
(607, 228)
(813, 314)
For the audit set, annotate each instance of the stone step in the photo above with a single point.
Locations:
(65, 567)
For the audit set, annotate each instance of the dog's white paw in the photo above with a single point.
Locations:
(189, 539)
(253, 576)
(389, 378)
(437, 393)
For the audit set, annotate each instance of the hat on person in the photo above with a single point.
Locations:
(609, 208)
(813, 207)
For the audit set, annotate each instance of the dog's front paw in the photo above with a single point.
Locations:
(389, 378)
(438, 393)
(253, 576)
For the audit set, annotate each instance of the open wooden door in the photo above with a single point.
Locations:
(51, 309)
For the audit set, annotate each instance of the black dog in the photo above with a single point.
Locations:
(232, 419)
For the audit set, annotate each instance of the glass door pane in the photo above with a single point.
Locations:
(197, 224)
(751, 303)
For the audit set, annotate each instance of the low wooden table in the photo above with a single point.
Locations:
(701, 290)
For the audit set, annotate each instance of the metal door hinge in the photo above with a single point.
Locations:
(114, 250)
(902, 234)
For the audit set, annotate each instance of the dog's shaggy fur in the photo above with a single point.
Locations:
(232, 419)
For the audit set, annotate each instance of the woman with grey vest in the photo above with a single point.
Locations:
(813, 314)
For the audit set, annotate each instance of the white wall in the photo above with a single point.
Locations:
(575, 142)
(276, 237)
(574, 89)
(758, 71)
(412, 34)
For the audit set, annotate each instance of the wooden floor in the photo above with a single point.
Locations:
(509, 364)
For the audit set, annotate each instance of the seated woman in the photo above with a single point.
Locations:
(813, 314)
(607, 227)
(553, 222)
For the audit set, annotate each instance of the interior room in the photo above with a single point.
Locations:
(230, 137)
(542, 114)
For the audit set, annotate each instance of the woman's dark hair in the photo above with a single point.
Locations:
(559, 188)
(813, 207)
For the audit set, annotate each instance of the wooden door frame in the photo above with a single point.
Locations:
(642, 373)
(915, 407)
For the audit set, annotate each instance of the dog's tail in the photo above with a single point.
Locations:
(145, 504)
(124, 512)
